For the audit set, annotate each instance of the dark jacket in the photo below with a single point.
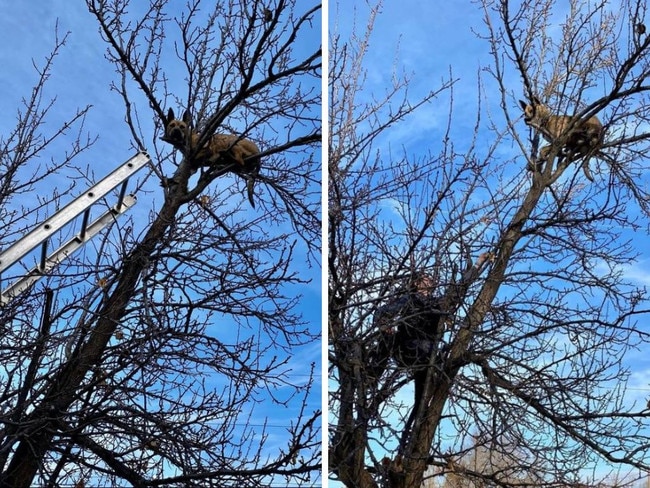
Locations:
(411, 323)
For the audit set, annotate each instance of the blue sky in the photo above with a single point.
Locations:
(425, 40)
(81, 76)
(81, 73)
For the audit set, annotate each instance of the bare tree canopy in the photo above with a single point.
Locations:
(173, 350)
(489, 272)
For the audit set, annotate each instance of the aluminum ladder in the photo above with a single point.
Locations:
(82, 204)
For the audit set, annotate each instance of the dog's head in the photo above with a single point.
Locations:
(177, 131)
(534, 112)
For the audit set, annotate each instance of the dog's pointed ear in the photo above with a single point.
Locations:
(170, 115)
(523, 104)
(536, 101)
(187, 117)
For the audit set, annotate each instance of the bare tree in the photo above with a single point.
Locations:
(529, 315)
(165, 357)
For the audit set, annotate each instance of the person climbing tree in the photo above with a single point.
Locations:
(410, 326)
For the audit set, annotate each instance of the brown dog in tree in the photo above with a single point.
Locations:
(583, 137)
(239, 155)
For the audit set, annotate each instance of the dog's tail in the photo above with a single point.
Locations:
(586, 170)
(250, 184)
(250, 180)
